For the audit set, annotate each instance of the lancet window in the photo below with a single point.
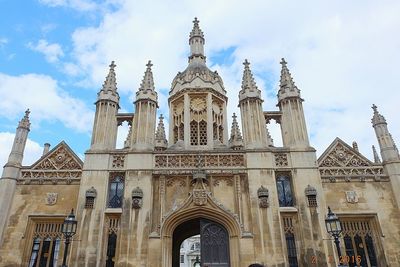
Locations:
(178, 120)
(116, 191)
(46, 236)
(288, 228)
(358, 239)
(198, 121)
(284, 188)
(112, 225)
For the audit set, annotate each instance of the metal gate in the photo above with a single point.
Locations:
(214, 244)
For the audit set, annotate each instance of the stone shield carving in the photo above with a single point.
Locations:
(351, 197)
(199, 197)
(51, 199)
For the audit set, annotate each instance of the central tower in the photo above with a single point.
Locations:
(197, 102)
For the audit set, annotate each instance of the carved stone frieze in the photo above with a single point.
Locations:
(216, 181)
(281, 160)
(118, 161)
(180, 181)
(342, 156)
(190, 161)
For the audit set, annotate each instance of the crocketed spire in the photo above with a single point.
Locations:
(376, 156)
(248, 79)
(196, 31)
(377, 118)
(148, 81)
(147, 90)
(249, 86)
(161, 140)
(109, 88)
(287, 88)
(236, 140)
(110, 84)
(24, 122)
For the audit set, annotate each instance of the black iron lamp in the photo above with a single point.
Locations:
(334, 228)
(69, 230)
(197, 263)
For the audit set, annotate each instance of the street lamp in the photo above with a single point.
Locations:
(334, 228)
(197, 263)
(69, 230)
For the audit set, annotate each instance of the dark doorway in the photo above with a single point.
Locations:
(214, 241)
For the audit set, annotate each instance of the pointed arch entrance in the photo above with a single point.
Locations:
(214, 240)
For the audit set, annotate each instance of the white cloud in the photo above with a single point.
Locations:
(343, 55)
(79, 5)
(33, 151)
(45, 99)
(3, 41)
(52, 52)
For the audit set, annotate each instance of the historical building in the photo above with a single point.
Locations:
(250, 201)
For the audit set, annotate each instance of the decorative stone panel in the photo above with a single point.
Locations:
(190, 161)
(281, 160)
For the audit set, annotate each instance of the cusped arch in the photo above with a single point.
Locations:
(210, 211)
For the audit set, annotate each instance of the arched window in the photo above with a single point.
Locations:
(116, 191)
(285, 195)
(45, 252)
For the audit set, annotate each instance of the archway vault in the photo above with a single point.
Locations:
(210, 210)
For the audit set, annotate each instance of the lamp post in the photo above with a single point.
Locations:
(69, 230)
(334, 228)
(197, 263)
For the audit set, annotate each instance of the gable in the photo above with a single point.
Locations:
(61, 157)
(340, 154)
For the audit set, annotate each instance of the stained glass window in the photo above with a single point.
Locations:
(285, 195)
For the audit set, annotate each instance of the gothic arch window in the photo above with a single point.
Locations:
(46, 241)
(198, 133)
(112, 227)
(284, 188)
(116, 191)
(359, 242)
(288, 227)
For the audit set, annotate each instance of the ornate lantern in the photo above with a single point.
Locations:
(69, 230)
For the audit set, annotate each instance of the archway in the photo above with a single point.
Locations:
(214, 240)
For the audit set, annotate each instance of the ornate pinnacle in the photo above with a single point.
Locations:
(236, 140)
(376, 156)
(196, 29)
(286, 78)
(25, 123)
(377, 118)
(248, 79)
(160, 133)
(148, 81)
(110, 83)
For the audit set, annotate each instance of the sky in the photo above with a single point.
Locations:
(54, 57)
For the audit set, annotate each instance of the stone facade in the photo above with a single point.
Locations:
(249, 200)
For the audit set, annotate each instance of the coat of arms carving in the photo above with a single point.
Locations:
(51, 198)
(199, 197)
(351, 197)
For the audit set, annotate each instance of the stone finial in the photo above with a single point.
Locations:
(161, 140)
(248, 79)
(148, 81)
(355, 146)
(376, 156)
(287, 87)
(196, 31)
(24, 122)
(137, 198)
(91, 192)
(110, 84)
(236, 140)
(377, 118)
(310, 191)
(263, 196)
(46, 148)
